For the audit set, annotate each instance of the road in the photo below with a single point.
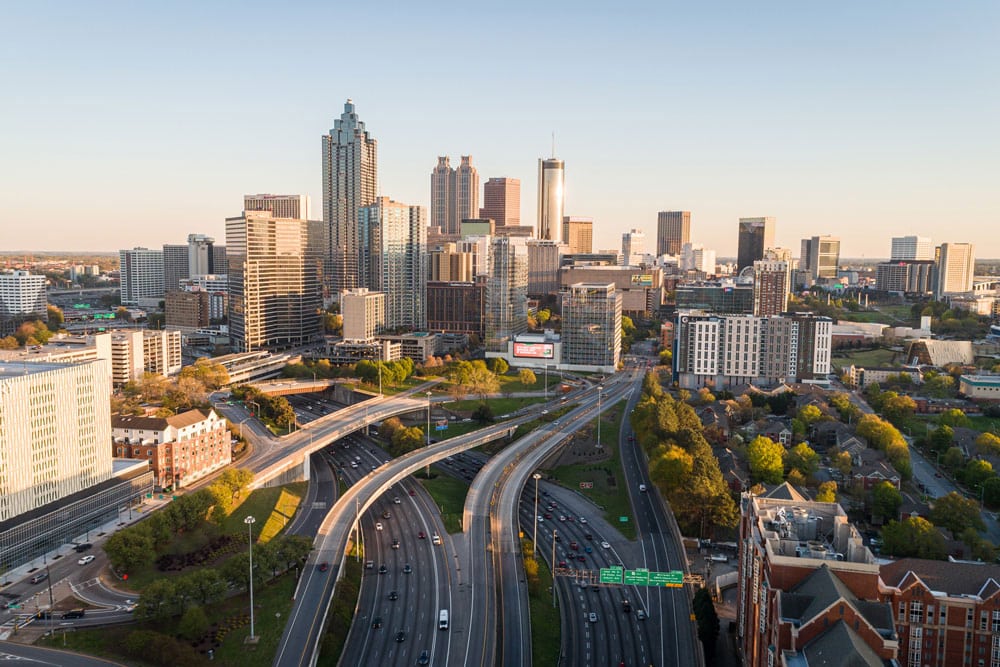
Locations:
(33, 655)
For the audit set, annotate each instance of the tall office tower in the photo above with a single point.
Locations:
(141, 275)
(364, 313)
(592, 325)
(912, 248)
(350, 181)
(55, 434)
(218, 260)
(274, 290)
(454, 194)
(578, 234)
(771, 281)
(393, 241)
(673, 230)
(756, 235)
(280, 206)
(21, 294)
(633, 245)
(544, 258)
(551, 198)
(696, 257)
(175, 266)
(956, 264)
(202, 256)
(446, 264)
(506, 293)
(502, 201)
(820, 256)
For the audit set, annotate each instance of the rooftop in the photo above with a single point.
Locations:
(803, 529)
(14, 369)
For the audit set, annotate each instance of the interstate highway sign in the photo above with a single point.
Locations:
(672, 579)
(638, 577)
(612, 575)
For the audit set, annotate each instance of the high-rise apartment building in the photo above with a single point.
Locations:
(502, 201)
(274, 290)
(771, 283)
(673, 230)
(202, 257)
(543, 266)
(906, 276)
(363, 312)
(454, 194)
(756, 236)
(820, 257)
(551, 198)
(633, 246)
(956, 264)
(280, 206)
(447, 264)
(22, 294)
(591, 326)
(578, 233)
(912, 248)
(350, 181)
(175, 266)
(506, 293)
(55, 433)
(141, 276)
(393, 260)
(456, 307)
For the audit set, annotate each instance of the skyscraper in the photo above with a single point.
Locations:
(273, 282)
(280, 206)
(578, 233)
(912, 248)
(551, 198)
(506, 292)
(756, 236)
(393, 241)
(820, 256)
(454, 194)
(771, 280)
(202, 256)
(956, 265)
(350, 181)
(175, 266)
(673, 230)
(141, 275)
(592, 325)
(502, 201)
(633, 245)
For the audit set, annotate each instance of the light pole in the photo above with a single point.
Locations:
(546, 388)
(380, 379)
(534, 537)
(599, 390)
(553, 563)
(427, 472)
(357, 529)
(256, 405)
(241, 426)
(249, 521)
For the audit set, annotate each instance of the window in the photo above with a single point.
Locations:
(916, 612)
(996, 620)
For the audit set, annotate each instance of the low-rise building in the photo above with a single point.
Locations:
(985, 387)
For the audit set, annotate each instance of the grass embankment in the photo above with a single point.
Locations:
(449, 494)
(546, 629)
(511, 383)
(500, 406)
(345, 601)
(878, 358)
(607, 477)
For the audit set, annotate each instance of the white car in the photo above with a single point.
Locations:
(396, 500)
(436, 539)
(583, 519)
(85, 560)
(592, 617)
(540, 519)
(378, 526)
(354, 464)
(605, 545)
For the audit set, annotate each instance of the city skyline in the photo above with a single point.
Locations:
(827, 140)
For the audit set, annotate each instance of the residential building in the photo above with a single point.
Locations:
(419, 346)
(22, 295)
(634, 247)
(756, 236)
(771, 284)
(54, 431)
(551, 198)
(273, 282)
(798, 348)
(280, 206)
(956, 265)
(905, 276)
(350, 182)
(393, 259)
(137, 351)
(175, 266)
(457, 307)
(141, 276)
(717, 296)
(181, 449)
(911, 248)
(673, 230)
(696, 257)
(363, 312)
(947, 613)
(578, 233)
(217, 288)
(543, 266)
(591, 326)
(807, 587)
(187, 310)
(820, 257)
(506, 293)
(502, 201)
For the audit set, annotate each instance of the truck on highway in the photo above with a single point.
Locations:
(443, 620)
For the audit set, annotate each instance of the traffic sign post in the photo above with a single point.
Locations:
(638, 577)
(623, 519)
(611, 575)
(672, 579)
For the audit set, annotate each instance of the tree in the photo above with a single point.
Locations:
(543, 316)
(765, 458)
(498, 365)
(670, 467)
(235, 480)
(841, 461)
(827, 492)
(915, 536)
(976, 472)
(898, 408)
(942, 437)
(988, 443)
(55, 317)
(483, 413)
(193, 624)
(956, 513)
(939, 386)
(527, 377)
(801, 457)
(991, 491)
(157, 599)
(886, 500)
(809, 414)
(708, 622)
(130, 548)
(705, 396)
(796, 478)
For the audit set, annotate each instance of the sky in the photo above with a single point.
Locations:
(134, 124)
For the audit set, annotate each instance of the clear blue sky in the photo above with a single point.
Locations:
(125, 124)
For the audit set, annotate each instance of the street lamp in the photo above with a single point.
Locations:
(534, 537)
(427, 472)
(553, 563)
(249, 521)
(241, 426)
(599, 390)
(256, 405)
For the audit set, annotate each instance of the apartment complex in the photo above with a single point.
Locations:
(137, 351)
(906, 276)
(771, 284)
(506, 293)
(393, 259)
(591, 328)
(141, 276)
(187, 310)
(673, 230)
(363, 312)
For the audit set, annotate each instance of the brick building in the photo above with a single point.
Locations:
(947, 613)
(181, 449)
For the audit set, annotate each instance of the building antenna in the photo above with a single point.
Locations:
(553, 145)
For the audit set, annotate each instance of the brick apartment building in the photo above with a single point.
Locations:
(947, 613)
(808, 588)
(181, 449)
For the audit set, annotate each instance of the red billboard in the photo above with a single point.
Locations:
(534, 350)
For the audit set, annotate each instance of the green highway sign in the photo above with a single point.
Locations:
(672, 579)
(611, 575)
(623, 519)
(638, 577)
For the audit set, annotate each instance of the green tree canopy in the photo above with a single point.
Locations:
(809, 414)
(765, 459)
(956, 513)
(886, 500)
(527, 377)
(801, 457)
(915, 537)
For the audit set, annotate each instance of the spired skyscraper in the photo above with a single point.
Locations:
(454, 195)
(551, 198)
(350, 181)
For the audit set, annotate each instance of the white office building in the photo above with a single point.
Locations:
(363, 312)
(912, 248)
(956, 266)
(21, 294)
(141, 276)
(696, 257)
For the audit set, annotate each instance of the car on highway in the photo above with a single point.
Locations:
(74, 613)
(626, 607)
(421, 535)
(641, 615)
(583, 520)
(592, 617)
(574, 546)
(323, 567)
(396, 500)
(400, 637)
(354, 464)
(589, 549)
(80, 548)
(436, 539)
(382, 569)
(562, 563)
(386, 515)
(570, 519)
(548, 515)
(393, 595)
(589, 536)
(85, 560)
(562, 517)
(642, 488)
(407, 569)
(376, 622)
(395, 543)
(425, 658)
(606, 545)
(540, 518)
(40, 577)
(581, 558)
(378, 525)
(412, 492)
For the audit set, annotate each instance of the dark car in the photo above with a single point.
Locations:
(626, 607)
(74, 613)
(40, 577)
(393, 595)
(377, 623)
(80, 548)
(323, 567)
(382, 569)
(425, 658)
(386, 514)
(400, 636)
(407, 569)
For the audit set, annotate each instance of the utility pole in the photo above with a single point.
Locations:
(553, 564)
